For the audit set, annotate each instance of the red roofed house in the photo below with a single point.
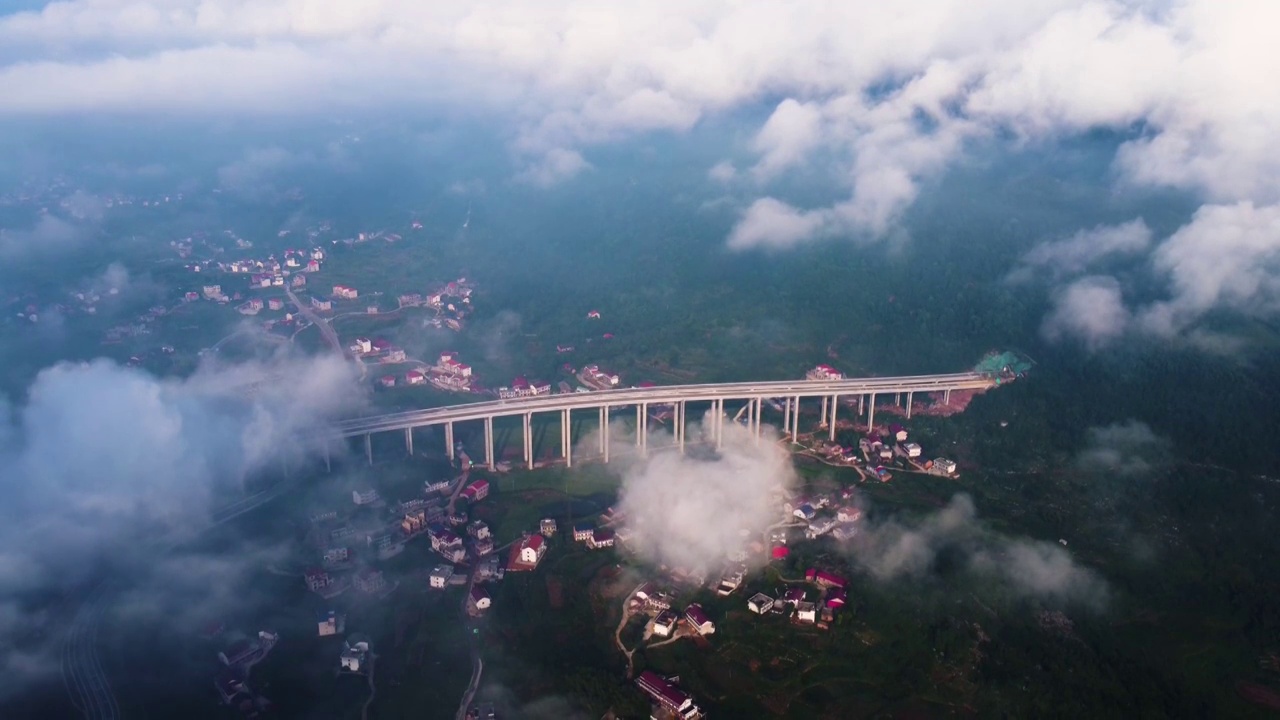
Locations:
(593, 315)
(699, 620)
(600, 538)
(526, 554)
(836, 597)
(317, 579)
(477, 491)
(415, 377)
(824, 578)
(478, 599)
(387, 381)
(380, 344)
(667, 695)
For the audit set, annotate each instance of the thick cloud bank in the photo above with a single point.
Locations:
(890, 95)
(953, 536)
(106, 466)
(695, 512)
(1125, 450)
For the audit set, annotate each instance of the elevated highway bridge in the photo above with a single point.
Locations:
(751, 396)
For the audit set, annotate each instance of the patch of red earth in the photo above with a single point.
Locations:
(1259, 695)
(960, 400)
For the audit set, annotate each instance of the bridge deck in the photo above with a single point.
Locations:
(658, 395)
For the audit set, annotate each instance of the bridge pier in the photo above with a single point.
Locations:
(408, 440)
(368, 446)
(824, 409)
(644, 435)
(717, 425)
(527, 438)
(871, 414)
(604, 434)
(639, 424)
(831, 426)
(488, 443)
(861, 397)
(566, 437)
(795, 421)
(786, 417)
(448, 440)
(946, 396)
(909, 404)
(680, 426)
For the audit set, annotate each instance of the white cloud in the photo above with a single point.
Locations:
(1073, 255)
(1091, 310)
(1227, 256)
(772, 223)
(723, 171)
(1126, 450)
(1193, 79)
(696, 512)
(791, 133)
(895, 549)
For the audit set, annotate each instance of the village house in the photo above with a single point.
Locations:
(665, 623)
(582, 532)
(824, 372)
(312, 266)
(317, 579)
(440, 575)
(365, 496)
(330, 623)
(321, 305)
(476, 491)
(415, 377)
(394, 355)
(760, 603)
(387, 381)
(414, 522)
(804, 512)
(336, 555)
(353, 655)
(275, 304)
(526, 554)
(698, 619)
(793, 595)
(600, 538)
(482, 547)
(667, 696)
(478, 600)
(478, 529)
(848, 514)
(806, 612)
(547, 527)
(822, 578)
(440, 485)
(489, 568)
(369, 580)
(836, 597)
(844, 531)
(819, 527)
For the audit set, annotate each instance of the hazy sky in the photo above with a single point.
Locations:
(895, 94)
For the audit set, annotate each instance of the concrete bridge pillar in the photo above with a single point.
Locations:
(795, 420)
(448, 440)
(946, 396)
(717, 424)
(861, 398)
(786, 417)
(488, 443)
(566, 436)
(824, 408)
(644, 428)
(639, 424)
(604, 435)
(871, 414)
(368, 447)
(831, 425)
(408, 440)
(680, 426)
(527, 437)
(909, 394)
